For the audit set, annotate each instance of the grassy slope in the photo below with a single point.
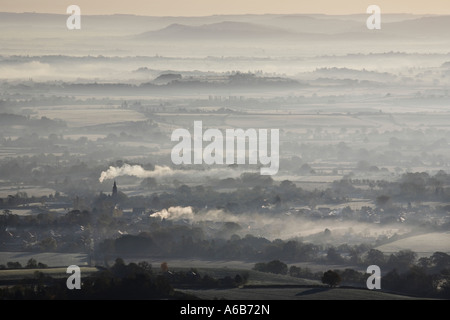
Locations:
(267, 286)
(260, 286)
(295, 294)
(426, 244)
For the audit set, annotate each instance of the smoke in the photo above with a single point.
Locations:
(292, 226)
(166, 172)
(136, 171)
(175, 213)
(285, 227)
(187, 213)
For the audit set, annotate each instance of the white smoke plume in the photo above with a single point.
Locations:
(164, 171)
(175, 213)
(187, 213)
(135, 170)
(285, 226)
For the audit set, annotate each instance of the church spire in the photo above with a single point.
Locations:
(114, 190)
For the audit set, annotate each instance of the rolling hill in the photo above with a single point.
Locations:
(424, 244)
(222, 30)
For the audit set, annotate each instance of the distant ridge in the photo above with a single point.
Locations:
(224, 29)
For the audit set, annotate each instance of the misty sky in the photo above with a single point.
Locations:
(210, 7)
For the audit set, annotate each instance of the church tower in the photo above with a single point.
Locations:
(114, 189)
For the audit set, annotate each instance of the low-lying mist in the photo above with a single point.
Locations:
(284, 226)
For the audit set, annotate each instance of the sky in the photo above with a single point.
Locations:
(220, 7)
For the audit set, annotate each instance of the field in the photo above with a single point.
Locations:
(18, 274)
(30, 190)
(261, 286)
(51, 259)
(307, 293)
(331, 121)
(269, 286)
(424, 244)
(86, 115)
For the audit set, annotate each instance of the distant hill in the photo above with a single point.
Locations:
(221, 30)
(298, 28)
(167, 77)
(434, 27)
(346, 73)
(258, 35)
(272, 26)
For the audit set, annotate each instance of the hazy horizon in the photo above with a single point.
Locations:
(205, 8)
(229, 14)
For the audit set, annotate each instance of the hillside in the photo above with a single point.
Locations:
(424, 244)
(306, 293)
(269, 286)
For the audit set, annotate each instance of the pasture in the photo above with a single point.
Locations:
(424, 244)
(303, 293)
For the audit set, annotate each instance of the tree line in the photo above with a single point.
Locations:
(121, 281)
(425, 277)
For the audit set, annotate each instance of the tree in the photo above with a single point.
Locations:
(382, 201)
(260, 266)
(353, 277)
(274, 266)
(375, 257)
(402, 260)
(417, 281)
(289, 250)
(238, 280)
(440, 261)
(392, 280)
(278, 267)
(31, 264)
(294, 271)
(333, 256)
(145, 266)
(119, 268)
(331, 278)
(13, 265)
